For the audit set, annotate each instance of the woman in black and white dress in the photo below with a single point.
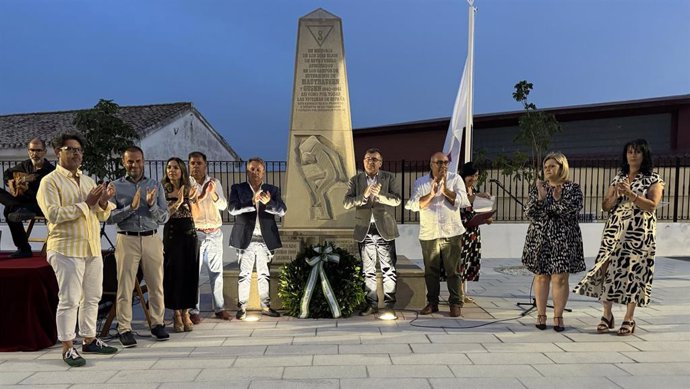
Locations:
(553, 246)
(624, 267)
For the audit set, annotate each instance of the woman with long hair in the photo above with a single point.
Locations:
(553, 247)
(471, 253)
(624, 267)
(181, 248)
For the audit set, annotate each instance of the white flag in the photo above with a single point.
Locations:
(462, 111)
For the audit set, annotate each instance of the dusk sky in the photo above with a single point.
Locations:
(234, 60)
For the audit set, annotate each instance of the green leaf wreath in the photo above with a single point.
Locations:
(345, 278)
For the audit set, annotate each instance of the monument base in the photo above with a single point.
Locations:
(410, 293)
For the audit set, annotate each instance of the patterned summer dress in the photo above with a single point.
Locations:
(629, 245)
(471, 248)
(554, 241)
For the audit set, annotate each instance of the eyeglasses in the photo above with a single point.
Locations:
(73, 150)
(370, 159)
(440, 163)
(36, 150)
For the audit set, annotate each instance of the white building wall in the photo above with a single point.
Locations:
(182, 136)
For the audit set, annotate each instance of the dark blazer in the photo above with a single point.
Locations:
(240, 205)
(383, 209)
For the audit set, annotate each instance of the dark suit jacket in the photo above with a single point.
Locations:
(240, 205)
(383, 208)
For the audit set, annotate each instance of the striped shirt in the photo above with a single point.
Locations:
(73, 226)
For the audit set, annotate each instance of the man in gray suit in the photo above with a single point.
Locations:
(375, 194)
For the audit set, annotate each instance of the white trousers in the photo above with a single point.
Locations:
(257, 253)
(80, 281)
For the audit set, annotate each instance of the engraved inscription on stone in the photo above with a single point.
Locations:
(319, 87)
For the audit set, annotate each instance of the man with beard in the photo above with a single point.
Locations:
(255, 233)
(20, 203)
(207, 223)
(141, 208)
(73, 205)
(438, 197)
(375, 194)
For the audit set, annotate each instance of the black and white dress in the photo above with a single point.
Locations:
(554, 241)
(629, 245)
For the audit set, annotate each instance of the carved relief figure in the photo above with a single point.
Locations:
(322, 169)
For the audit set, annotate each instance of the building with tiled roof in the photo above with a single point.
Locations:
(165, 130)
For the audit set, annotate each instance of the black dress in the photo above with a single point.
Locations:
(554, 241)
(181, 258)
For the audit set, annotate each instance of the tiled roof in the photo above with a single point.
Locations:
(16, 130)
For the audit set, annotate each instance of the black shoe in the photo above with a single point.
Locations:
(21, 254)
(268, 311)
(20, 215)
(241, 314)
(160, 333)
(127, 339)
(72, 358)
(369, 310)
(98, 347)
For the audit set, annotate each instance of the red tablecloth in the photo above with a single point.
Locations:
(28, 303)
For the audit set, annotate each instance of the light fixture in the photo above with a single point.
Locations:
(388, 315)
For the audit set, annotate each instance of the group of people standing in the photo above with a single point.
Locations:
(188, 204)
(624, 266)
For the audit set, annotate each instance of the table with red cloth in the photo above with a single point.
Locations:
(28, 303)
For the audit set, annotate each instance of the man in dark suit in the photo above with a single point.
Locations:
(255, 233)
(375, 194)
(22, 181)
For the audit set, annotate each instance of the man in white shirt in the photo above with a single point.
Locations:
(211, 202)
(438, 198)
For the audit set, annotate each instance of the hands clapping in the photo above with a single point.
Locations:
(262, 197)
(100, 195)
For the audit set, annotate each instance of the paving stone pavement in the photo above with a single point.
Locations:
(491, 346)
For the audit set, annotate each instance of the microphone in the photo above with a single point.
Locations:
(494, 180)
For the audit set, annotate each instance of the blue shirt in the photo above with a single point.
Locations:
(145, 217)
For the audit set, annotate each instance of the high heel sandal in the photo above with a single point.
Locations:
(627, 328)
(541, 324)
(178, 325)
(605, 325)
(558, 327)
(187, 321)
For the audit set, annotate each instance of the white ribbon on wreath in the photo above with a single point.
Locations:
(325, 254)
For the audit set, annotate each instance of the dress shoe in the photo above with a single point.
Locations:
(195, 318)
(21, 254)
(429, 309)
(223, 315)
(369, 310)
(268, 311)
(455, 310)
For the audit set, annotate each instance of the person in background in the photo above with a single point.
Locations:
(624, 267)
(180, 245)
(22, 181)
(471, 240)
(553, 246)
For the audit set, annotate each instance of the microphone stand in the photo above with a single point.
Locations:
(532, 305)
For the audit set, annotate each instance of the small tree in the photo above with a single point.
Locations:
(106, 137)
(536, 129)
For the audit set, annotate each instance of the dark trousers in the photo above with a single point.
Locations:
(11, 204)
(446, 251)
(372, 247)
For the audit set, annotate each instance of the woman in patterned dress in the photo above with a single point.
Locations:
(180, 245)
(624, 267)
(471, 239)
(553, 246)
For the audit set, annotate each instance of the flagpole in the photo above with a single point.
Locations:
(469, 130)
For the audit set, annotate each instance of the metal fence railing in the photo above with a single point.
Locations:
(593, 175)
